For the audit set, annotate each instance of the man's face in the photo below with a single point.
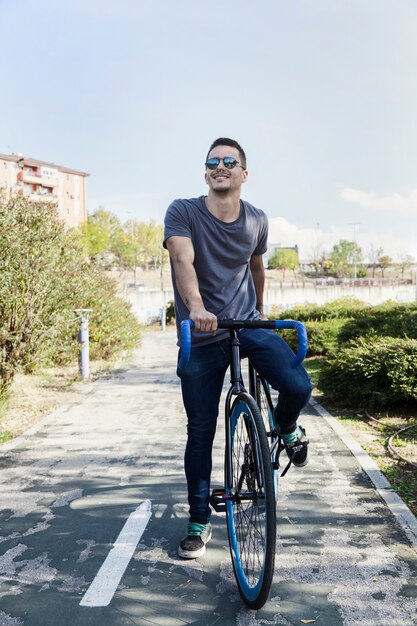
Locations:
(223, 179)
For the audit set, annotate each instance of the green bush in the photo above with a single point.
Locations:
(323, 337)
(371, 351)
(387, 320)
(323, 323)
(343, 308)
(170, 312)
(112, 325)
(372, 372)
(44, 275)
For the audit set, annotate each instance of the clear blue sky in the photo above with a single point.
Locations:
(322, 94)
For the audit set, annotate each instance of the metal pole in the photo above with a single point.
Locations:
(164, 313)
(354, 224)
(163, 318)
(416, 285)
(83, 341)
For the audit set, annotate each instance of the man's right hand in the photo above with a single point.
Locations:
(204, 321)
(181, 252)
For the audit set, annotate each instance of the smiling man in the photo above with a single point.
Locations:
(216, 243)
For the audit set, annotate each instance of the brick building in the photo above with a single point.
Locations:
(39, 180)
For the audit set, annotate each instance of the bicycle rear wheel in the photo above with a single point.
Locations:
(266, 407)
(251, 520)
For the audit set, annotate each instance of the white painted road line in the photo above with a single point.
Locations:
(103, 587)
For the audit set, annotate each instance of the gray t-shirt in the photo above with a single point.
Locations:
(222, 259)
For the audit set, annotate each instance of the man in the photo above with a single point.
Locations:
(216, 245)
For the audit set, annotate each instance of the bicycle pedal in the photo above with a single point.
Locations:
(218, 500)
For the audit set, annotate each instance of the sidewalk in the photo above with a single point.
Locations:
(68, 488)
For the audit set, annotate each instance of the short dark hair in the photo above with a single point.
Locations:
(225, 141)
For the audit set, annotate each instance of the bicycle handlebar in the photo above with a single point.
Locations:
(187, 325)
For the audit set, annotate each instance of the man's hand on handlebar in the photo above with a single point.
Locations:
(204, 321)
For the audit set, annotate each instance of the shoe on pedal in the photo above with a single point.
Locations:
(194, 544)
(297, 450)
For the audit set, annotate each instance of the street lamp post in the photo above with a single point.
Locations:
(84, 342)
(354, 224)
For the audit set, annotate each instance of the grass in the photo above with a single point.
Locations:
(373, 438)
(313, 366)
(5, 436)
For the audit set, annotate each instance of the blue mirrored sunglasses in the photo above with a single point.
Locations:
(228, 162)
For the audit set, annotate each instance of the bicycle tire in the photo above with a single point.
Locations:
(250, 508)
(266, 407)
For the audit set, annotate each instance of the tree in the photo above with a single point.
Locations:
(407, 262)
(284, 259)
(373, 256)
(384, 262)
(98, 234)
(323, 265)
(345, 256)
(133, 243)
(150, 241)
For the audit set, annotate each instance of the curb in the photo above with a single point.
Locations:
(397, 506)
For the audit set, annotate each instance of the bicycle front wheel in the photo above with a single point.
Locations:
(251, 521)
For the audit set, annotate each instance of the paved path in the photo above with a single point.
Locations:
(67, 491)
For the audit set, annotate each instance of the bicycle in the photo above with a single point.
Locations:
(252, 452)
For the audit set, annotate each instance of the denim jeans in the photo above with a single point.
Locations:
(201, 384)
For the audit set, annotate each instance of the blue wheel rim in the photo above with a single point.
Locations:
(251, 591)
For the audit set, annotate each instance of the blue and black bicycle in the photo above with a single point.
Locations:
(253, 448)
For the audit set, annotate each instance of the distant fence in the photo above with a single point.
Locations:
(147, 304)
(321, 293)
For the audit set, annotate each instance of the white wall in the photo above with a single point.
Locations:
(147, 304)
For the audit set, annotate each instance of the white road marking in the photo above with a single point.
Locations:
(103, 587)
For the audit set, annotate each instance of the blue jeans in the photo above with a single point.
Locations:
(202, 383)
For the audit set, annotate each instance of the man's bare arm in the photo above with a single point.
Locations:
(181, 252)
(258, 274)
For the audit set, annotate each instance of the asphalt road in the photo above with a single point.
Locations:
(78, 493)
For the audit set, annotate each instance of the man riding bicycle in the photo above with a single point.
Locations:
(216, 245)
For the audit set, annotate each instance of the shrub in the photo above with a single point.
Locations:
(323, 323)
(323, 337)
(373, 372)
(44, 275)
(343, 308)
(112, 325)
(387, 320)
(170, 311)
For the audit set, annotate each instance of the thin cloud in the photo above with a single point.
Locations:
(314, 241)
(396, 203)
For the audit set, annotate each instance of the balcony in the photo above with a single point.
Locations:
(34, 178)
(42, 197)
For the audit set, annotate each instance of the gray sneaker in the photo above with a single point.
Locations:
(194, 544)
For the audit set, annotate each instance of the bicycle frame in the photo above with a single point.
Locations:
(236, 381)
(249, 494)
(236, 386)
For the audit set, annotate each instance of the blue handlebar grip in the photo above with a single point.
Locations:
(186, 326)
(302, 339)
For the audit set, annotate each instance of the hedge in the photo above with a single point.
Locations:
(338, 309)
(388, 320)
(323, 337)
(376, 372)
